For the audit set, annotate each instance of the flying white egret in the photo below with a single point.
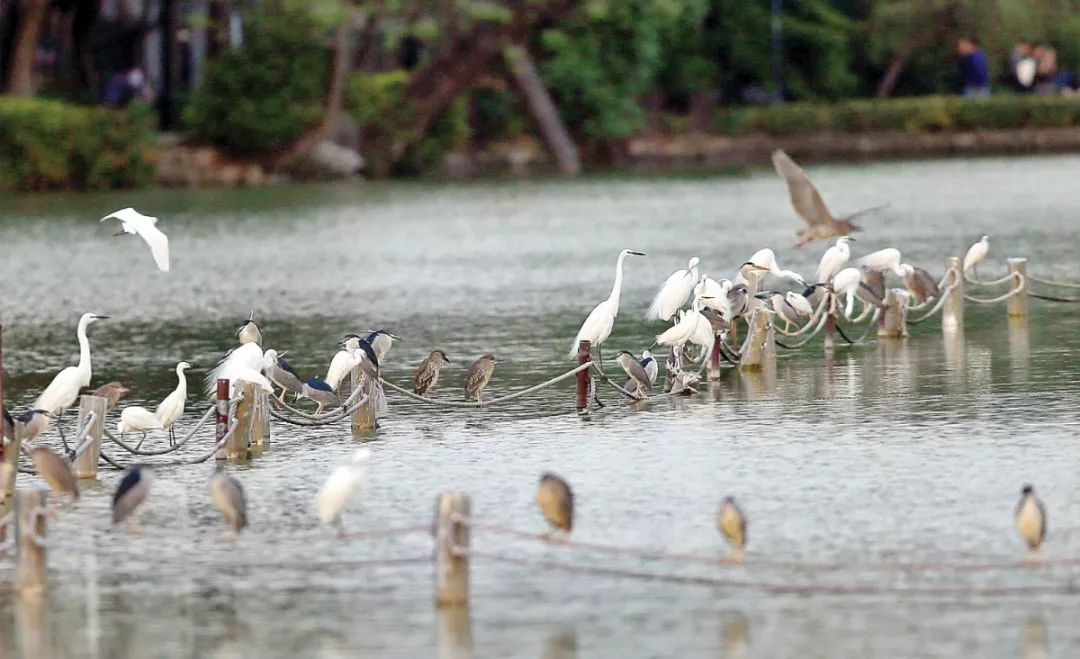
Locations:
(882, 260)
(144, 226)
(597, 326)
(171, 409)
(137, 419)
(976, 253)
(834, 258)
(920, 283)
(64, 389)
(339, 488)
(673, 293)
(249, 355)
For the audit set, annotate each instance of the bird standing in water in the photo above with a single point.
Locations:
(171, 409)
(427, 373)
(64, 389)
(137, 419)
(732, 523)
(1031, 518)
(556, 502)
(228, 497)
(56, 472)
(478, 377)
(131, 493)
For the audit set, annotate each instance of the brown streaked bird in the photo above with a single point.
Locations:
(228, 497)
(556, 502)
(874, 280)
(427, 373)
(478, 377)
(113, 392)
(1031, 518)
(732, 523)
(56, 472)
(808, 203)
(920, 283)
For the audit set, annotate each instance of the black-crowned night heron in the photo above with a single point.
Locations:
(673, 292)
(639, 380)
(380, 341)
(64, 389)
(171, 409)
(56, 472)
(920, 283)
(34, 423)
(874, 281)
(132, 492)
(342, 484)
(789, 307)
(807, 202)
(1031, 518)
(248, 332)
(322, 393)
(134, 223)
(976, 253)
(112, 392)
(738, 301)
(648, 362)
(137, 419)
(556, 502)
(732, 524)
(427, 373)
(281, 373)
(597, 326)
(478, 377)
(228, 497)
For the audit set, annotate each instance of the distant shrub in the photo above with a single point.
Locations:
(46, 144)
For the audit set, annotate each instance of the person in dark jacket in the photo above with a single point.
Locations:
(974, 69)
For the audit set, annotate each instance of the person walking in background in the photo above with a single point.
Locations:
(1045, 70)
(1022, 67)
(974, 70)
(125, 86)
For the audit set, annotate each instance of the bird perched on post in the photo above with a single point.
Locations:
(248, 332)
(648, 362)
(171, 409)
(340, 487)
(56, 472)
(478, 377)
(556, 502)
(788, 307)
(64, 389)
(137, 419)
(732, 523)
(228, 497)
(975, 254)
(1031, 518)
(343, 362)
(111, 392)
(639, 379)
(875, 281)
(135, 223)
(34, 423)
(427, 373)
(598, 324)
(919, 283)
(833, 260)
(322, 393)
(381, 341)
(131, 493)
(882, 260)
(281, 373)
(673, 292)
(808, 203)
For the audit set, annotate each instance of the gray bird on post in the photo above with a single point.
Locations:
(281, 373)
(920, 283)
(111, 392)
(639, 378)
(478, 377)
(556, 502)
(228, 497)
(56, 472)
(732, 524)
(34, 423)
(248, 332)
(1031, 518)
(131, 493)
(322, 393)
(427, 373)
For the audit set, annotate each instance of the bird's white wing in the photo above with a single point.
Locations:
(140, 417)
(158, 242)
(596, 328)
(799, 303)
(883, 259)
(340, 365)
(680, 332)
(671, 295)
(61, 392)
(249, 354)
(336, 492)
(127, 215)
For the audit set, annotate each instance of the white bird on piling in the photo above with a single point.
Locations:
(714, 294)
(342, 364)
(237, 373)
(976, 253)
(845, 283)
(64, 389)
(674, 291)
(340, 487)
(833, 260)
(242, 360)
(882, 260)
(765, 264)
(686, 329)
(135, 223)
(171, 409)
(597, 326)
(137, 419)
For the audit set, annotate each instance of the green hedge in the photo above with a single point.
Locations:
(907, 115)
(47, 144)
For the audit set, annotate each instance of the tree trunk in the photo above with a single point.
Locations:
(31, 18)
(896, 66)
(543, 110)
(340, 74)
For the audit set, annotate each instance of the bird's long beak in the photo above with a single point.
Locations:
(754, 266)
(637, 253)
(117, 234)
(850, 239)
(763, 295)
(394, 337)
(101, 317)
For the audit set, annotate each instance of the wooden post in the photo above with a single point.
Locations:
(714, 357)
(952, 313)
(757, 351)
(451, 569)
(893, 319)
(86, 463)
(543, 110)
(260, 419)
(1018, 303)
(9, 469)
(239, 445)
(222, 416)
(584, 356)
(454, 633)
(1, 390)
(30, 559)
(363, 419)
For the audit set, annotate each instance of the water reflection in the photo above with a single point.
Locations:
(1035, 638)
(454, 632)
(736, 637)
(31, 620)
(560, 644)
(1019, 348)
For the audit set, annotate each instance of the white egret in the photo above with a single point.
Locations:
(688, 329)
(237, 373)
(846, 282)
(137, 419)
(343, 362)
(597, 326)
(249, 355)
(882, 260)
(340, 487)
(135, 223)
(834, 258)
(976, 253)
(171, 409)
(714, 294)
(703, 335)
(919, 283)
(64, 389)
(765, 260)
(673, 293)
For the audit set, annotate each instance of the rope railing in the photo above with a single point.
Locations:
(937, 307)
(808, 339)
(191, 433)
(173, 463)
(347, 408)
(1051, 282)
(488, 403)
(810, 322)
(1005, 296)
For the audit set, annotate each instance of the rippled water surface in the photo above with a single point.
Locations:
(881, 453)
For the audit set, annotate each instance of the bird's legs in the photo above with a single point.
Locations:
(60, 427)
(480, 398)
(319, 409)
(735, 556)
(281, 398)
(172, 435)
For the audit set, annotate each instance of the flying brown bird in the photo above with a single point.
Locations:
(808, 203)
(478, 377)
(113, 392)
(732, 523)
(56, 472)
(920, 283)
(556, 502)
(427, 373)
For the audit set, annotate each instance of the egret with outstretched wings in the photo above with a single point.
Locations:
(144, 226)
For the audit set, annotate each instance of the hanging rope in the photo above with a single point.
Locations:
(793, 346)
(809, 323)
(1054, 298)
(1001, 298)
(494, 401)
(325, 419)
(1051, 282)
(971, 280)
(191, 433)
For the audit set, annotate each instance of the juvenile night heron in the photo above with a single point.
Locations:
(248, 332)
(639, 379)
(1031, 518)
(137, 419)
(875, 281)
(171, 409)
(598, 324)
(478, 377)
(112, 392)
(882, 260)
(56, 472)
(673, 292)
(833, 260)
(920, 283)
(281, 373)
(135, 223)
(648, 362)
(228, 497)
(556, 502)
(808, 203)
(427, 373)
(64, 389)
(732, 524)
(975, 254)
(340, 487)
(131, 493)
(322, 393)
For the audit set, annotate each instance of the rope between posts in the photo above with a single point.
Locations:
(131, 449)
(332, 416)
(793, 346)
(517, 394)
(937, 307)
(83, 437)
(809, 323)
(1001, 298)
(1051, 282)
(199, 460)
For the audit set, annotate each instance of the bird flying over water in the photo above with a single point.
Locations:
(135, 223)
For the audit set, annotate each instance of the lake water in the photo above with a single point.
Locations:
(898, 452)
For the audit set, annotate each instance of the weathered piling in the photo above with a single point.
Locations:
(583, 357)
(30, 529)
(363, 419)
(9, 470)
(260, 419)
(1018, 303)
(892, 323)
(451, 550)
(952, 313)
(239, 445)
(454, 633)
(758, 350)
(714, 357)
(221, 417)
(830, 322)
(1, 388)
(86, 463)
